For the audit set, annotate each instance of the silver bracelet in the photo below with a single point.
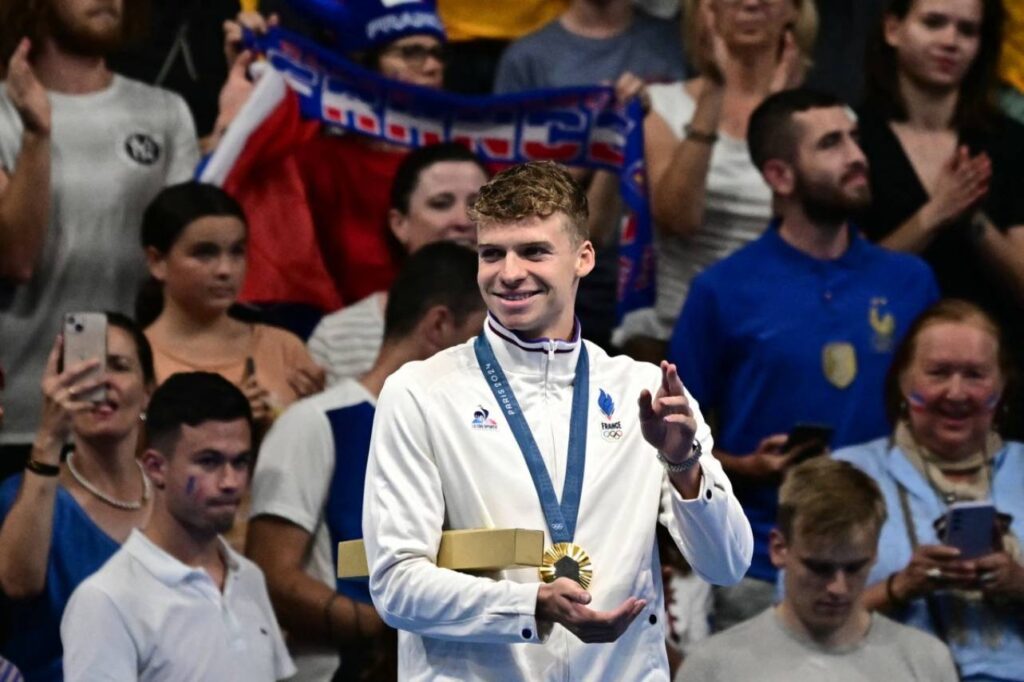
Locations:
(686, 464)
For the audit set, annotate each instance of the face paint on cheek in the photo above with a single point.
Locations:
(992, 401)
(190, 486)
(916, 401)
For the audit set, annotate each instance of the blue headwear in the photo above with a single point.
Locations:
(362, 25)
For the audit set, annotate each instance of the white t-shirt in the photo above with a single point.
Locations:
(737, 210)
(112, 152)
(292, 481)
(147, 616)
(346, 342)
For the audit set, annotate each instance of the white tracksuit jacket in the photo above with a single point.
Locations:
(438, 463)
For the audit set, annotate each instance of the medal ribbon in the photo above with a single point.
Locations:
(561, 518)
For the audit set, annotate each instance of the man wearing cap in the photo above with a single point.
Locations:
(529, 426)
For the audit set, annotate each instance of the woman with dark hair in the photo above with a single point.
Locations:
(195, 241)
(945, 393)
(61, 520)
(946, 168)
(430, 199)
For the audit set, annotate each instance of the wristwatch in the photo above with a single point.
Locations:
(686, 464)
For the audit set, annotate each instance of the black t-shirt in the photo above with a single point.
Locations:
(954, 255)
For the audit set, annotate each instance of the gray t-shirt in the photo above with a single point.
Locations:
(763, 649)
(553, 57)
(112, 152)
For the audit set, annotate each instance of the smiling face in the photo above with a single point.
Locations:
(936, 42)
(117, 417)
(204, 268)
(529, 272)
(439, 206)
(952, 386)
(205, 476)
(824, 578)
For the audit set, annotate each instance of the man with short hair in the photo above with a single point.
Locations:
(308, 485)
(830, 516)
(799, 326)
(176, 602)
(83, 150)
(528, 426)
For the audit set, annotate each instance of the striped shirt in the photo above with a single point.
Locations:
(346, 342)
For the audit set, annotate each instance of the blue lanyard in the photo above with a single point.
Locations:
(561, 518)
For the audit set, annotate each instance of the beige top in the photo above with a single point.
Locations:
(275, 354)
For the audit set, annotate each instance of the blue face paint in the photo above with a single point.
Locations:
(190, 486)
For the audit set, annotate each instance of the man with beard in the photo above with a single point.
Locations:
(830, 515)
(799, 326)
(82, 152)
(176, 602)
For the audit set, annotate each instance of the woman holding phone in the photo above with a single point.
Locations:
(945, 393)
(61, 520)
(195, 240)
(707, 198)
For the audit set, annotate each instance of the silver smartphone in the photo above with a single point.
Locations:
(85, 338)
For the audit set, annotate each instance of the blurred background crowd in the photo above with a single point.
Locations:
(108, 106)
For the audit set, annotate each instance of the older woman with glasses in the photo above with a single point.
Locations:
(945, 393)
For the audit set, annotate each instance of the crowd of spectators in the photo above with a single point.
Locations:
(837, 194)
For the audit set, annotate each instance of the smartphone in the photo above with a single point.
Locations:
(970, 528)
(85, 338)
(813, 438)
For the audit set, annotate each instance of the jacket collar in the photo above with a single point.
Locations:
(517, 355)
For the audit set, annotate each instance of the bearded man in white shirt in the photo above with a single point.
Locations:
(484, 434)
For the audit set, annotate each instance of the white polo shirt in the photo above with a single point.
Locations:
(147, 616)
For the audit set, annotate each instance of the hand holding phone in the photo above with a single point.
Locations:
(809, 440)
(85, 338)
(970, 527)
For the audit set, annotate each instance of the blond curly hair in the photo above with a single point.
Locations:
(537, 189)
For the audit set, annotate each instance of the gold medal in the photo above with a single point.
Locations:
(567, 560)
(839, 363)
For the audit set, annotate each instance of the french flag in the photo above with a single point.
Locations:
(255, 164)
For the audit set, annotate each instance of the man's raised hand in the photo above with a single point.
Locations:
(666, 420)
(26, 92)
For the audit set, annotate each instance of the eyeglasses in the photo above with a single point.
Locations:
(416, 55)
